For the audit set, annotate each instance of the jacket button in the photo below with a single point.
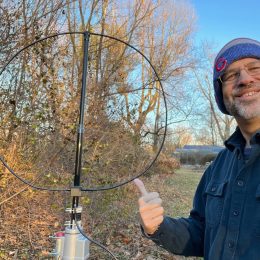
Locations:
(240, 183)
(230, 244)
(213, 188)
(235, 213)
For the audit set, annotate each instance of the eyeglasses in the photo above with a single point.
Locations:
(252, 69)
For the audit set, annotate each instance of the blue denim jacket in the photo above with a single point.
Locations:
(225, 220)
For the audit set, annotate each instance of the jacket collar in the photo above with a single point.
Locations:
(236, 140)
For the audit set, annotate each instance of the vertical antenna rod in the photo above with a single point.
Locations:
(75, 200)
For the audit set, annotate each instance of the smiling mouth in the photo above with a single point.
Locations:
(251, 93)
(248, 94)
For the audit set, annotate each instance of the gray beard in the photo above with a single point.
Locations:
(247, 110)
(243, 110)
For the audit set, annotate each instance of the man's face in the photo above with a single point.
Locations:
(241, 90)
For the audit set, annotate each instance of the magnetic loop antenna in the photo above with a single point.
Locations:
(120, 139)
(81, 95)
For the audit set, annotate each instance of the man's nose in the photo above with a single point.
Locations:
(244, 78)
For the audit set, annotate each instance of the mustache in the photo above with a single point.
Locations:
(254, 86)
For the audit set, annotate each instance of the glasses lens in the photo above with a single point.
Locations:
(252, 69)
(229, 76)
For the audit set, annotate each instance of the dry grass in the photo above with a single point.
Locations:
(117, 227)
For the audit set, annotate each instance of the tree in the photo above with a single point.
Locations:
(217, 124)
(40, 89)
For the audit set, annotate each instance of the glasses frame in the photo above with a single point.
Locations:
(238, 73)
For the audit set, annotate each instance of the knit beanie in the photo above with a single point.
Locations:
(234, 50)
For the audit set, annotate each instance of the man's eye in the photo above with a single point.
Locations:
(255, 68)
(230, 76)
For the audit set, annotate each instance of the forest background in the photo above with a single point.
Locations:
(125, 121)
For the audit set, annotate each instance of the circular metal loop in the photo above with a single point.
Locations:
(163, 96)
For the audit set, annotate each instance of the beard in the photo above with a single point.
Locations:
(244, 109)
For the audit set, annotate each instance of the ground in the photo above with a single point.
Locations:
(115, 225)
(176, 191)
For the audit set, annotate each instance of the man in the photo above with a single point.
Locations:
(225, 220)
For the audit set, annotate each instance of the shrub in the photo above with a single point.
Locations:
(166, 164)
(196, 158)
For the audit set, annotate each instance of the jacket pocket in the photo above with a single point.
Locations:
(214, 203)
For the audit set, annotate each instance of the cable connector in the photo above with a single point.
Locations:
(75, 191)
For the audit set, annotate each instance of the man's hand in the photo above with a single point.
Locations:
(150, 209)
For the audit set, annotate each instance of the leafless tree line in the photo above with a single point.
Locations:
(125, 106)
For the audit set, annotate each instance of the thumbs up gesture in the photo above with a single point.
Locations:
(150, 209)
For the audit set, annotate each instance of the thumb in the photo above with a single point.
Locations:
(140, 186)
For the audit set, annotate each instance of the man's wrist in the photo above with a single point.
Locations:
(154, 234)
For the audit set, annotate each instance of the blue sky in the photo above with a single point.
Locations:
(222, 20)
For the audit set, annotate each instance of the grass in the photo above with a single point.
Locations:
(115, 224)
(177, 191)
(183, 184)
